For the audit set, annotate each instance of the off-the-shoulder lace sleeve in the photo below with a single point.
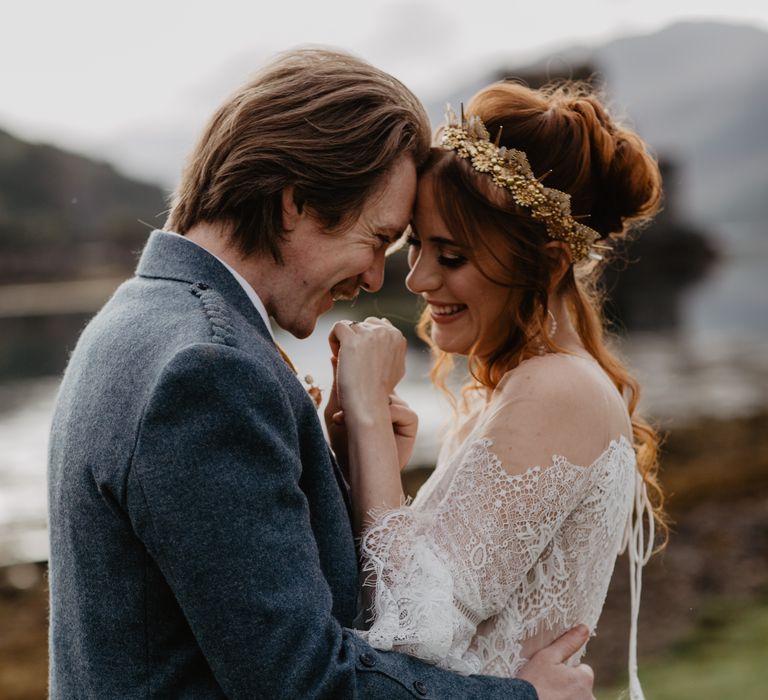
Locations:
(437, 572)
(436, 575)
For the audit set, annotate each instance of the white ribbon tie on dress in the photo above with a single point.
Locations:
(639, 550)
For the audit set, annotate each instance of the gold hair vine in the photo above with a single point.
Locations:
(509, 168)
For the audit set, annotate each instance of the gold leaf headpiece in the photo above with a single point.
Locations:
(509, 168)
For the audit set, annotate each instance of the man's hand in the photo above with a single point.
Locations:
(405, 424)
(334, 424)
(553, 680)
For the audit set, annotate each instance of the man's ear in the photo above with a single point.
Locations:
(291, 211)
(560, 255)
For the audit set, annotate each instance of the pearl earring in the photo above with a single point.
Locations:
(552, 324)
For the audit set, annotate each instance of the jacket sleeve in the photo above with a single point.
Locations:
(214, 494)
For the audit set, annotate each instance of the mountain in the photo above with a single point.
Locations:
(697, 92)
(63, 215)
(700, 93)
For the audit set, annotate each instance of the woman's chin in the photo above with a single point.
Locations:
(450, 343)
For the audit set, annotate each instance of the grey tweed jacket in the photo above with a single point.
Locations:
(200, 540)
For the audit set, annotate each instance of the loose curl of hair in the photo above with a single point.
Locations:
(614, 183)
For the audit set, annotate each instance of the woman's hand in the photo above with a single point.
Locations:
(370, 361)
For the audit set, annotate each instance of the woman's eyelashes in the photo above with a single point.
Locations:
(445, 258)
(451, 260)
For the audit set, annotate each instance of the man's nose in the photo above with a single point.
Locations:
(373, 278)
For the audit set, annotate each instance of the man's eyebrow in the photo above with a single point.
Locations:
(397, 229)
(392, 232)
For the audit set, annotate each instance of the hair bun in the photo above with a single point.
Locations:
(626, 177)
(569, 135)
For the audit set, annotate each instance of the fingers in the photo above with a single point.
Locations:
(400, 414)
(376, 321)
(333, 338)
(371, 359)
(588, 673)
(565, 646)
(343, 329)
(374, 332)
(367, 322)
(404, 420)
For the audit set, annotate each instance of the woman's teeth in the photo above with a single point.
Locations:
(447, 310)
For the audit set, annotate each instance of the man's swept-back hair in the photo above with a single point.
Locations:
(324, 122)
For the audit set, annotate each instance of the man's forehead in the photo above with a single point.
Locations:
(395, 200)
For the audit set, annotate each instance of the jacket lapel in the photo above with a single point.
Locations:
(170, 256)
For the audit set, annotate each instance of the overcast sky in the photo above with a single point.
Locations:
(75, 72)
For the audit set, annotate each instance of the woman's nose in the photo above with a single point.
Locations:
(423, 277)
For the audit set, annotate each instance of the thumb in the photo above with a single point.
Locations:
(565, 646)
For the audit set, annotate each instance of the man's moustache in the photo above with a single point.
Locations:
(345, 291)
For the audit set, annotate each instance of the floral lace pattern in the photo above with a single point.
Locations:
(485, 566)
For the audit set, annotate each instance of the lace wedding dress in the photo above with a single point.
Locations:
(513, 539)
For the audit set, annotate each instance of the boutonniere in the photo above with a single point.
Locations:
(313, 390)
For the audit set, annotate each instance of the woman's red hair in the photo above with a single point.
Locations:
(614, 184)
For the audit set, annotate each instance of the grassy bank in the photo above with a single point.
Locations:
(23, 633)
(725, 657)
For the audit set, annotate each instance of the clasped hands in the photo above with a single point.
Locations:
(368, 359)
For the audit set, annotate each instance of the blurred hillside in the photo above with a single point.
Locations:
(700, 93)
(693, 91)
(697, 92)
(63, 216)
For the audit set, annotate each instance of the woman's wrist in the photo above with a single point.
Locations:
(367, 415)
(374, 470)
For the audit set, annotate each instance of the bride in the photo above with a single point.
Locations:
(546, 472)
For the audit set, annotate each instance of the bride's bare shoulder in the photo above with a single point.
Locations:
(567, 401)
(557, 377)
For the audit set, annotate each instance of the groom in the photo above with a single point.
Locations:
(200, 537)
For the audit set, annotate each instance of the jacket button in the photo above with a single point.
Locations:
(420, 687)
(202, 286)
(367, 659)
